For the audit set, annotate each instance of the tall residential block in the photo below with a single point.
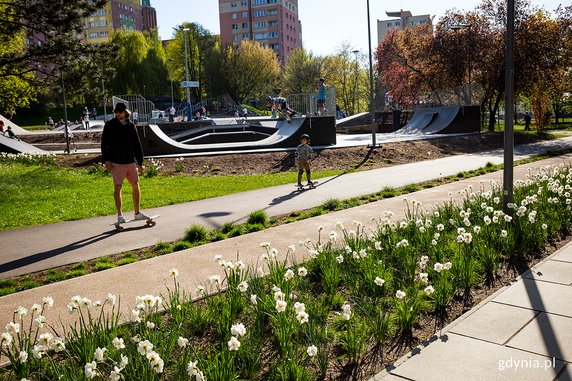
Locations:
(400, 20)
(273, 23)
(119, 15)
(149, 15)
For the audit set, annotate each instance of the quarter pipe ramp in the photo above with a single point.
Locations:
(287, 134)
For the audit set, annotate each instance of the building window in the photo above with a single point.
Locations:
(244, 15)
(233, 5)
(273, 23)
(272, 12)
(260, 13)
(260, 24)
(388, 24)
(244, 25)
(234, 16)
(234, 26)
(103, 34)
(236, 37)
(93, 35)
(244, 3)
(101, 12)
(245, 36)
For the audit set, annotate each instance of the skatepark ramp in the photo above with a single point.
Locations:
(443, 120)
(361, 119)
(17, 129)
(17, 146)
(285, 135)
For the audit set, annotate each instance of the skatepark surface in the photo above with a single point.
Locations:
(531, 319)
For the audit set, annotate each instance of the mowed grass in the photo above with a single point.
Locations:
(36, 195)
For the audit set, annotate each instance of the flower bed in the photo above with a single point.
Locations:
(361, 290)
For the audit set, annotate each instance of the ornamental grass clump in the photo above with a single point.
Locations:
(359, 291)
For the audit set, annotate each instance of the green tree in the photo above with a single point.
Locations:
(203, 59)
(250, 70)
(16, 88)
(50, 28)
(140, 66)
(301, 72)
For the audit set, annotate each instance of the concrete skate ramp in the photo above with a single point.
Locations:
(430, 120)
(17, 146)
(17, 129)
(360, 119)
(155, 142)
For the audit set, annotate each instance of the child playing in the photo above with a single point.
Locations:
(303, 153)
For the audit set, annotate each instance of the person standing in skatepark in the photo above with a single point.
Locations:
(123, 156)
(303, 153)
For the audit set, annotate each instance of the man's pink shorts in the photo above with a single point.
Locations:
(122, 171)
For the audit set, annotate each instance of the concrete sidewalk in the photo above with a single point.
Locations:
(522, 332)
(550, 301)
(53, 245)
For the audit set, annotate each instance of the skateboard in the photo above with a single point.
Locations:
(149, 222)
(306, 187)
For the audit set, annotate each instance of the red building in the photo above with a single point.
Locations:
(273, 23)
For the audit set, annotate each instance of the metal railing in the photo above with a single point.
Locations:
(307, 104)
(136, 102)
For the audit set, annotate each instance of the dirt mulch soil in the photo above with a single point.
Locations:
(328, 159)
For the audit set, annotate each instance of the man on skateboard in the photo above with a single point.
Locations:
(281, 104)
(123, 156)
(303, 153)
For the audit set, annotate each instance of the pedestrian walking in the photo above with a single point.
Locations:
(527, 119)
(172, 112)
(123, 156)
(303, 155)
(70, 141)
(86, 118)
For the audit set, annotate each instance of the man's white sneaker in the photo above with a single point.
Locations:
(141, 216)
(120, 219)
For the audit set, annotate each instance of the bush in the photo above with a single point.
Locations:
(332, 204)
(162, 248)
(182, 245)
(258, 217)
(227, 227)
(250, 228)
(195, 234)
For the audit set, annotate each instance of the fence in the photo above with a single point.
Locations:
(306, 104)
(136, 102)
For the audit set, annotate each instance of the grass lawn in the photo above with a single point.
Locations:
(38, 194)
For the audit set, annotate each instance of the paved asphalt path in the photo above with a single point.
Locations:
(47, 246)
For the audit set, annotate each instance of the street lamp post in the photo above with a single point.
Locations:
(104, 97)
(371, 110)
(188, 91)
(171, 75)
(357, 80)
(509, 109)
(66, 132)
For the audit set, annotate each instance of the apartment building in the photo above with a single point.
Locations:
(273, 23)
(119, 15)
(400, 20)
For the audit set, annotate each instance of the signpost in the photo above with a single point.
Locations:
(186, 84)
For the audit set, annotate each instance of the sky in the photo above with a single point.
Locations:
(326, 24)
